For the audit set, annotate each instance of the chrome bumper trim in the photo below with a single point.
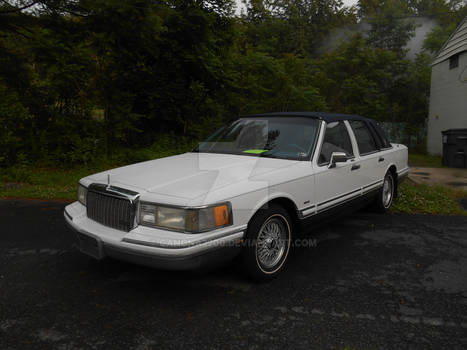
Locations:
(238, 230)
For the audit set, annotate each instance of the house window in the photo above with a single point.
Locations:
(454, 61)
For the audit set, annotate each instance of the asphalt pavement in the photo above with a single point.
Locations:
(370, 282)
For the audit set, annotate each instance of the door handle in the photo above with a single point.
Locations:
(355, 167)
(381, 159)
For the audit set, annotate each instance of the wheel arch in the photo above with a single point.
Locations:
(286, 202)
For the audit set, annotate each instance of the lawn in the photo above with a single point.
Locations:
(42, 183)
(425, 160)
(61, 184)
(427, 199)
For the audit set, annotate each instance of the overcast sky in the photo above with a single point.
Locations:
(350, 2)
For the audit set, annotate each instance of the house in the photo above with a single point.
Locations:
(448, 96)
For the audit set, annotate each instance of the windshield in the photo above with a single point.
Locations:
(274, 137)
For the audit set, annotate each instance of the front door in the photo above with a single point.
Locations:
(339, 184)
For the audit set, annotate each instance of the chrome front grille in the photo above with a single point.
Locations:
(111, 206)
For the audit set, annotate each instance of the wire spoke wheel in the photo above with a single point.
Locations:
(268, 238)
(388, 191)
(272, 242)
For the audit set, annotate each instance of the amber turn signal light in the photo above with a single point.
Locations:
(221, 215)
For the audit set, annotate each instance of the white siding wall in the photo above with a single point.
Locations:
(448, 101)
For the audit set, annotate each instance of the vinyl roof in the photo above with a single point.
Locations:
(327, 117)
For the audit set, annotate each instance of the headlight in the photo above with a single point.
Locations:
(82, 194)
(185, 219)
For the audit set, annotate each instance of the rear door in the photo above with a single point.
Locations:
(370, 160)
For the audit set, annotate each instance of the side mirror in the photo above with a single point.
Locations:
(337, 157)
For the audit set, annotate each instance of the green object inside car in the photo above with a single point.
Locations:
(255, 151)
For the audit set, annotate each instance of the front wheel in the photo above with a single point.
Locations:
(267, 243)
(386, 193)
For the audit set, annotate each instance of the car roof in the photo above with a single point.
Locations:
(327, 117)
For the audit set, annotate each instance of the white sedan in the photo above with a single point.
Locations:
(243, 193)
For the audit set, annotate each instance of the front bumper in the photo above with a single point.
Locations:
(153, 247)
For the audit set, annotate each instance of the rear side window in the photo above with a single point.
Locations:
(382, 136)
(336, 139)
(365, 140)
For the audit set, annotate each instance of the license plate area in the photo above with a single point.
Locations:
(89, 245)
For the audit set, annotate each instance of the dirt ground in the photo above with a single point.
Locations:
(455, 178)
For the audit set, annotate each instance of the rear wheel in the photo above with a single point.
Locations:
(267, 243)
(386, 193)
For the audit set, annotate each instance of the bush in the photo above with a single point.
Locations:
(15, 123)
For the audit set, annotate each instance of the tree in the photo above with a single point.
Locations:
(292, 26)
(265, 84)
(390, 24)
(83, 79)
(359, 79)
(15, 122)
(448, 15)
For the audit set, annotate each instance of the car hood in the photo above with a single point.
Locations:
(190, 175)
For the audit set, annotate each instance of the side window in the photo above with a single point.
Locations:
(366, 142)
(384, 140)
(336, 139)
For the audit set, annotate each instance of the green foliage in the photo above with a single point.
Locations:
(436, 38)
(15, 122)
(85, 82)
(390, 28)
(359, 79)
(280, 27)
(266, 84)
(163, 146)
(449, 14)
(30, 181)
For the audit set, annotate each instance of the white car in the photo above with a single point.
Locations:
(242, 193)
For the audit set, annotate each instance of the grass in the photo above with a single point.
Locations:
(28, 181)
(425, 160)
(47, 182)
(54, 183)
(42, 183)
(427, 199)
